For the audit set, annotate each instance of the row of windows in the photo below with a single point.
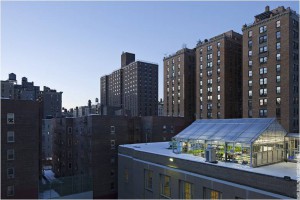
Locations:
(185, 188)
(264, 91)
(263, 29)
(173, 61)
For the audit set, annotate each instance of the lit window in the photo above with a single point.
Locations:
(165, 188)
(277, 24)
(10, 118)
(211, 194)
(185, 190)
(219, 96)
(10, 136)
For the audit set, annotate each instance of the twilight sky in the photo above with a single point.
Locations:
(68, 46)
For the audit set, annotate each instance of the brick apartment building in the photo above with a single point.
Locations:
(133, 87)
(89, 145)
(179, 84)
(219, 77)
(271, 67)
(20, 128)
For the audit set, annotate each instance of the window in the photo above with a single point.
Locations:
(70, 165)
(262, 29)
(278, 56)
(277, 79)
(263, 49)
(250, 53)
(263, 102)
(250, 83)
(201, 59)
(263, 70)
(10, 136)
(277, 24)
(278, 45)
(250, 103)
(148, 179)
(179, 58)
(278, 35)
(263, 92)
(263, 39)
(218, 79)
(218, 62)
(211, 194)
(250, 73)
(218, 53)
(277, 90)
(249, 33)
(209, 48)
(185, 190)
(10, 172)
(250, 63)
(10, 118)
(112, 128)
(165, 189)
(10, 190)
(218, 44)
(263, 59)
(209, 97)
(278, 68)
(219, 88)
(250, 93)
(10, 154)
(263, 113)
(278, 101)
(250, 43)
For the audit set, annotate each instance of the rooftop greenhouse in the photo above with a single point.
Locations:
(254, 141)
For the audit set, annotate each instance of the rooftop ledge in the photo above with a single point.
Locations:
(281, 169)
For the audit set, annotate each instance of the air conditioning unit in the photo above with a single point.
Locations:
(210, 154)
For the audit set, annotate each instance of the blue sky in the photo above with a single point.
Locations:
(68, 46)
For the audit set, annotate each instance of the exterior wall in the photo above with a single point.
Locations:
(115, 85)
(218, 87)
(232, 183)
(104, 90)
(287, 111)
(47, 141)
(179, 81)
(127, 58)
(7, 89)
(26, 148)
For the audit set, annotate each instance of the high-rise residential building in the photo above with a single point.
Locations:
(219, 77)
(179, 84)
(104, 90)
(271, 67)
(20, 128)
(133, 87)
(52, 102)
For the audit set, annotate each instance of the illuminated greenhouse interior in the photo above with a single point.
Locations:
(253, 142)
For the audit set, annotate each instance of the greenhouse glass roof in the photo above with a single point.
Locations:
(245, 130)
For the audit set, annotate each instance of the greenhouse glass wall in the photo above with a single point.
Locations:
(254, 141)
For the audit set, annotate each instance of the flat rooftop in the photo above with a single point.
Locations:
(161, 148)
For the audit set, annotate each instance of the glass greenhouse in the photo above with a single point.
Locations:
(254, 141)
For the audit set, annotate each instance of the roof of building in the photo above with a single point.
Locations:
(245, 130)
(161, 148)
